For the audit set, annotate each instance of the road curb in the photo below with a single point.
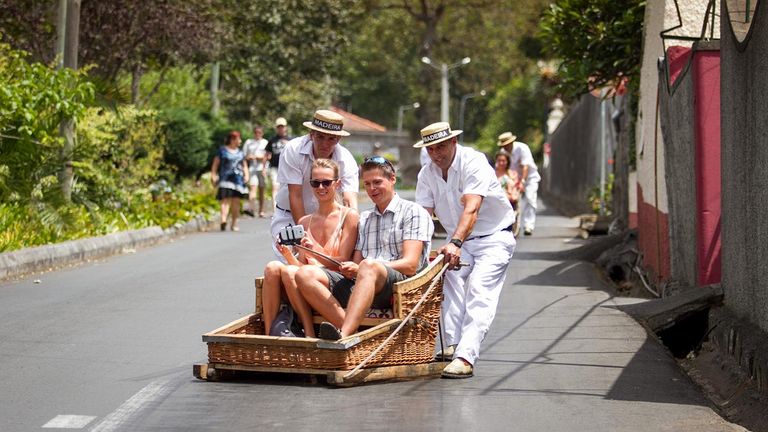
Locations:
(49, 257)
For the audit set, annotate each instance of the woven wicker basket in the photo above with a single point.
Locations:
(242, 342)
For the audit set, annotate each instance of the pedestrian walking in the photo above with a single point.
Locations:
(274, 149)
(528, 174)
(229, 173)
(256, 156)
(460, 187)
(295, 198)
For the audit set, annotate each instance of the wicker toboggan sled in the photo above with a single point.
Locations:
(399, 347)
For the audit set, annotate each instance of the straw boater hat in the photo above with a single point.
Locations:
(327, 122)
(506, 138)
(436, 133)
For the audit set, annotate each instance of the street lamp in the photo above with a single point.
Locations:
(400, 114)
(463, 104)
(444, 68)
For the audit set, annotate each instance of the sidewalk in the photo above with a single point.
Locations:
(559, 346)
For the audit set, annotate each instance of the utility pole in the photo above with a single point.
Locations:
(215, 104)
(71, 34)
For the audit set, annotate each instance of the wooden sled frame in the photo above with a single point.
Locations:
(241, 345)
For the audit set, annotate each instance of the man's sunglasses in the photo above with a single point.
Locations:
(316, 183)
(380, 160)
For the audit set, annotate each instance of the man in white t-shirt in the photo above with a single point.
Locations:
(256, 156)
(460, 187)
(294, 198)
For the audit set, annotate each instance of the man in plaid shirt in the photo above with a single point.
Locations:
(393, 243)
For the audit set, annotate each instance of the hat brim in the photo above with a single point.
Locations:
(507, 141)
(309, 125)
(454, 133)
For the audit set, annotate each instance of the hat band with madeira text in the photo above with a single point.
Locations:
(436, 136)
(326, 125)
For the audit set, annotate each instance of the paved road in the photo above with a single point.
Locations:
(109, 347)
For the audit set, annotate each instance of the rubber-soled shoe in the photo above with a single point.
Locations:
(458, 369)
(528, 231)
(249, 212)
(446, 354)
(328, 331)
(223, 226)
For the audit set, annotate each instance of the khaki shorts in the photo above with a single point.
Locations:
(342, 288)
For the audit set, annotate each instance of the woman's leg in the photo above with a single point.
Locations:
(300, 306)
(235, 210)
(224, 212)
(271, 292)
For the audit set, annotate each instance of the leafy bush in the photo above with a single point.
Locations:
(34, 99)
(187, 141)
(118, 151)
(24, 226)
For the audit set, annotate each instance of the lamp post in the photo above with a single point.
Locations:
(400, 114)
(462, 105)
(444, 68)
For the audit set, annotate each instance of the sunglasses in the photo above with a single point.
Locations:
(380, 160)
(317, 183)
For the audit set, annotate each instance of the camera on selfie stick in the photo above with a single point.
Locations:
(290, 235)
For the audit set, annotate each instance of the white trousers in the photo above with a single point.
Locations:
(280, 219)
(471, 294)
(528, 206)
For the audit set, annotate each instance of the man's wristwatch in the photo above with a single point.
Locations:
(456, 242)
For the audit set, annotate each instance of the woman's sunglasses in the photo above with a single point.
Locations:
(325, 183)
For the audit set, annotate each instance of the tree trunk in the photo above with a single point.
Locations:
(136, 74)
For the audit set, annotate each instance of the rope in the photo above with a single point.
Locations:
(424, 296)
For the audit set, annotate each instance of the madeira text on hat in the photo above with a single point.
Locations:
(326, 121)
(506, 138)
(281, 122)
(435, 133)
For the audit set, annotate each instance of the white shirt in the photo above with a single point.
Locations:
(521, 155)
(256, 148)
(296, 168)
(470, 173)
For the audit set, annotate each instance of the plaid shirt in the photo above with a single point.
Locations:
(380, 236)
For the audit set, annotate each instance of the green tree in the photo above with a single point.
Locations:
(282, 44)
(596, 41)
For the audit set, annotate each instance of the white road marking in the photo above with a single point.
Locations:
(154, 391)
(66, 421)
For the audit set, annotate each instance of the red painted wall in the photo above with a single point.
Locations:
(653, 238)
(706, 79)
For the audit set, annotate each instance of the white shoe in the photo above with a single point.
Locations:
(446, 354)
(458, 368)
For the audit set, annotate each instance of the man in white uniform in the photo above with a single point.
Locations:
(528, 175)
(461, 188)
(294, 197)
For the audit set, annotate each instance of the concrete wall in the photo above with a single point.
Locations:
(574, 164)
(650, 210)
(689, 103)
(744, 164)
(676, 119)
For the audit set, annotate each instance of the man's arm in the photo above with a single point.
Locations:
(350, 199)
(296, 199)
(408, 264)
(465, 226)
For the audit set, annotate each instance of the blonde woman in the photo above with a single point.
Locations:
(331, 230)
